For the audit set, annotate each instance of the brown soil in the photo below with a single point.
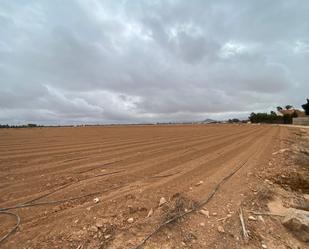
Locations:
(129, 168)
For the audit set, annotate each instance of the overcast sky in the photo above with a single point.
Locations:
(94, 61)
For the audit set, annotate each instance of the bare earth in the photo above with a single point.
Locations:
(123, 172)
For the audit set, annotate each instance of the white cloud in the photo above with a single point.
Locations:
(232, 48)
(301, 47)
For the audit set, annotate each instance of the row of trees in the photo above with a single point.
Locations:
(236, 120)
(19, 126)
(272, 117)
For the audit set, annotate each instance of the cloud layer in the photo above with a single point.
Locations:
(65, 62)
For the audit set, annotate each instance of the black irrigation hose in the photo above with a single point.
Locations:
(62, 187)
(31, 204)
(202, 203)
(17, 218)
(27, 204)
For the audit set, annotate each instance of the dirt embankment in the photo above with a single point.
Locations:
(115, 186)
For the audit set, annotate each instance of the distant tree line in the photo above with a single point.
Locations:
(20, 126)
(236, 120)
(272, 117)
(264, 117)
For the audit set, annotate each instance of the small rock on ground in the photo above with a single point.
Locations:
(221, 229)
(199, 183)
(205, 212)
(130, 220)
(252, 218)
(297, 221)
(96, 200)
(162, 201)
(150, 213)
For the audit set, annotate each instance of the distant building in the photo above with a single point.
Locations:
(291, 112)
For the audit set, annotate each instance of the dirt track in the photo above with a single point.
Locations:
(132, 167)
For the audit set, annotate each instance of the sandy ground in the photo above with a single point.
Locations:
(123, 172)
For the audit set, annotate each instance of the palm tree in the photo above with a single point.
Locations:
(288, 107)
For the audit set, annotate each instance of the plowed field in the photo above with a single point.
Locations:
(102, 176)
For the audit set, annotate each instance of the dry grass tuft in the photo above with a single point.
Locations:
(178, 205)
(264, 195)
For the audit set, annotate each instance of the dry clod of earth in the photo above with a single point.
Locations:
(261, 219)
(252, 218)
(107, 236)
(199, 183)
(298, 222)
(221, 229)
(162, 201)
(205, 212)
(93, 229)
(100, 222)
(130, 220)
(150, 213)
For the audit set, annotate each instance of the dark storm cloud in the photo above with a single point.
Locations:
(139, 61)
